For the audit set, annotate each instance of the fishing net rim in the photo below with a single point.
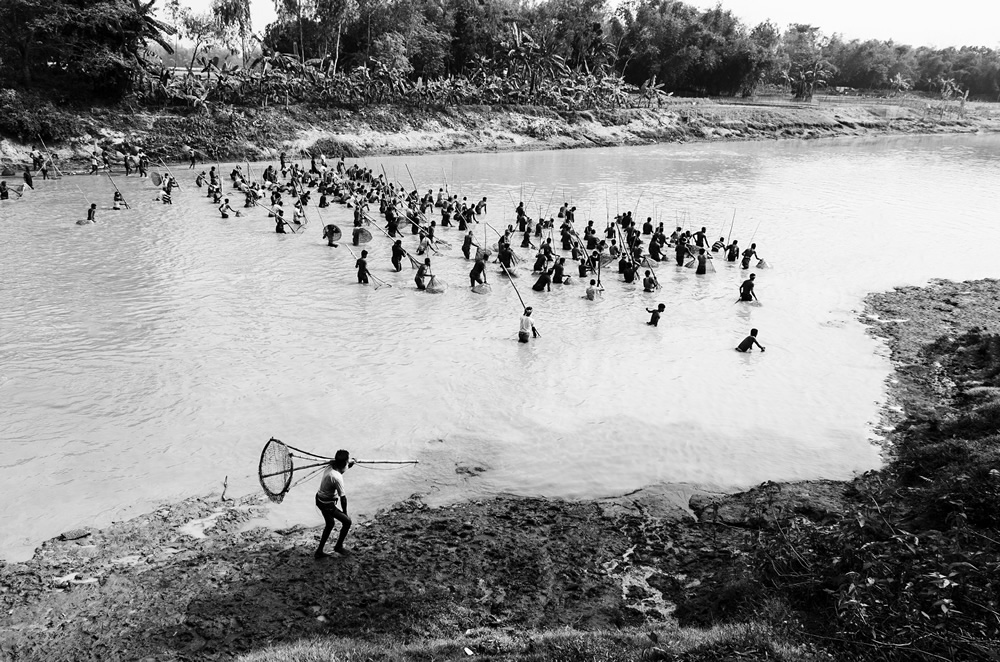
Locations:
(337, 233)
(276, 497)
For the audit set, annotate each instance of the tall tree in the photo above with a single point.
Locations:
(234, 25)
(808, 68)
(201, 29)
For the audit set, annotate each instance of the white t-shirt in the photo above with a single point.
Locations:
(526, 324)
(591, 292)
(331, 487)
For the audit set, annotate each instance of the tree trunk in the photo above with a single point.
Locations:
(302, 41)
(194, 54)
(336, 48)
(23, 52)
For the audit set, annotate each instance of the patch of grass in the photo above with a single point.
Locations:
(747, 641)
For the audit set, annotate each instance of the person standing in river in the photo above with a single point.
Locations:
(280, 222)
(398, 253)
(527, 329)
(467, 243)
(733, 251)
(362, 266)
(331, 499)
(747, 255)
(702, 258)
(655, 313)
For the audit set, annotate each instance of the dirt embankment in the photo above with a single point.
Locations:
(911, 318)
(186, 582)
(251, 133)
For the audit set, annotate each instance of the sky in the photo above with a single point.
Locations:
(921, 23)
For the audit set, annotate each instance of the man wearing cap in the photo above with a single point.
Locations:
(527, 326)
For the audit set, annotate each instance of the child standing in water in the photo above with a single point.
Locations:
(654, 318)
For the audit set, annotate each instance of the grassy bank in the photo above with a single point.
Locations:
(238, 133)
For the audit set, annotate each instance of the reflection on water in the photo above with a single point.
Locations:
(150, 356)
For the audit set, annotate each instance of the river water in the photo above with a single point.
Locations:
(149, 357)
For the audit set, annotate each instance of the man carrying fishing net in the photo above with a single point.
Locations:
(331, 500)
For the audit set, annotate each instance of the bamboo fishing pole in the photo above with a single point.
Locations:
(127, 206)
(418, 213)
(277, 216)
(85, 197)
(413, 263)
(177, 182)
(511, 279)
(48, 157)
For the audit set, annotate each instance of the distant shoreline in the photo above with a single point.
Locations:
(238, 134)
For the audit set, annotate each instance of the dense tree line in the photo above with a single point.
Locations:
(567, 53)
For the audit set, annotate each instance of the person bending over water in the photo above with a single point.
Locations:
(746, 289)
(544, 282)
(423, 271)
(476, 276)
(747, 254)
(749, 342)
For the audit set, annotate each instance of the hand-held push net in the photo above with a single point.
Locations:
(276, 467)
(275, 470)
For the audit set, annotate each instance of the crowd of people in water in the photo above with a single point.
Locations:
(632, 250)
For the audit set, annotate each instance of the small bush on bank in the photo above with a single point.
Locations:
(26, 117)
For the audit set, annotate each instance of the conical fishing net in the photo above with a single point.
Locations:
(275, 470)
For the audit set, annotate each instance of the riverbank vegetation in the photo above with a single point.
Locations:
(558, 54)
